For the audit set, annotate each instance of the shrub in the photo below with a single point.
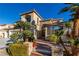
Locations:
(28, 35)
(53, 38)
(14, 37)
(17, 50)
(72, 41)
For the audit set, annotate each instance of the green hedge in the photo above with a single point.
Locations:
(17, 50)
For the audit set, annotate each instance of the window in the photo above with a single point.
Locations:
(28, 18)
(33, 22)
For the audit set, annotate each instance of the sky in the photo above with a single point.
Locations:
(10, 12)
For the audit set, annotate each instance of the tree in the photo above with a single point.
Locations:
(68, 26)
(25, 29)
(57, 39)
(22, 25)
(59, 34)
(74, 9)
(28, 35)
(53, 38)
(15, 37)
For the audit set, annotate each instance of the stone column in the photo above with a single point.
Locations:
(34, 43)
(35, 34)
(52, 48)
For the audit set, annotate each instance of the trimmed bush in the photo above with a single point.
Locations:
(17, 50)
(53, 38)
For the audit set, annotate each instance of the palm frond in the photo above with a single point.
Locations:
(72, 8)
(64, 10)
(74, 4)
(74, 14)
(71, 19)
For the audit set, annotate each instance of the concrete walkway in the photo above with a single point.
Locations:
(3, 47)
(3, 52)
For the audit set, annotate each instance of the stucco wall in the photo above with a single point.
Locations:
(34, 17)
(37, 19)
(4, 30)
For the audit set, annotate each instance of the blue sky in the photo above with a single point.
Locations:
(10, 12)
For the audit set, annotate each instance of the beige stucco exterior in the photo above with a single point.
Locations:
(6, 30)
(34, 18)
(6, 26)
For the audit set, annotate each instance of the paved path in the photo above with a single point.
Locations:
(3, 52)
(3, 47)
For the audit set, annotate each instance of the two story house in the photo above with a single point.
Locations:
(43, 27)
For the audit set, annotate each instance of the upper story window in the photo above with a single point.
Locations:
(33, 22)
(28, 18)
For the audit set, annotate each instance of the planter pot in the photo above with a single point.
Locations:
(30, 47)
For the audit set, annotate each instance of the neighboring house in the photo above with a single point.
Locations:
(6, 30)
(43, 27)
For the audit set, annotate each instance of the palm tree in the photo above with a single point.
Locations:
(59, 34)
(56, 38)
(68, 25)
(25, 28)
(22, 25)
(74, 9)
